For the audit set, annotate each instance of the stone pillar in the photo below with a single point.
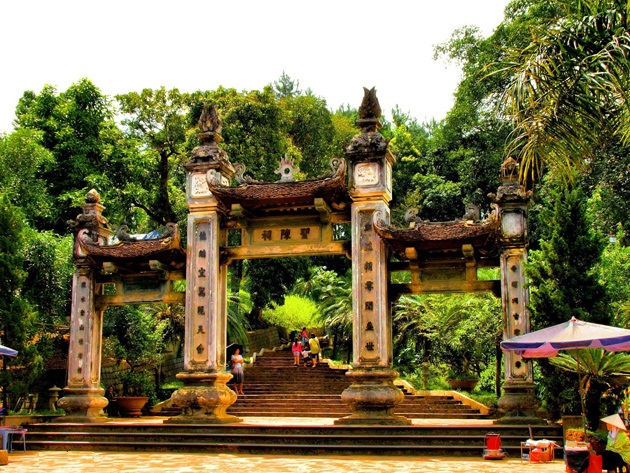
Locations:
(83, 398)
(372, 395)
(205, 396)
(519, 403)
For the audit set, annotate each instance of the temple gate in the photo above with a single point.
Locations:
(295, 218)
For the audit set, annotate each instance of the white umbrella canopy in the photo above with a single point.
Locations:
(571, 335)
(6, 351)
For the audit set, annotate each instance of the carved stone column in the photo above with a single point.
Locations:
(519, 403)
(372, 395)
(205, 396)
(83, 398)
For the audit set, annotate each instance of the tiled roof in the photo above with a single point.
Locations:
(168, 250)
(428, 236)
(331, 189)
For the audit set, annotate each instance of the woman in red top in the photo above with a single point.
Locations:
(296, 349)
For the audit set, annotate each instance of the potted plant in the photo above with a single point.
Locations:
(138, 388)
(462, 380)
(135, 338)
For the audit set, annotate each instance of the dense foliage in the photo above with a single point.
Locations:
(550, 83)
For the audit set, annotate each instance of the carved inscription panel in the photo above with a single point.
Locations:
(200, 186)
(276, 235)
(366, 174)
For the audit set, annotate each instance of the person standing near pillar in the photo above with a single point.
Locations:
(237, 371)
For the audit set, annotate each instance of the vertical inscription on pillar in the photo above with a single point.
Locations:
(368, 239)
(84, 312)
(200, 298)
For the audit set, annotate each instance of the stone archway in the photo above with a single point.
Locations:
(284, 219)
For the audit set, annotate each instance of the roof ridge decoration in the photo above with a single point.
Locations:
(286, 170)
(129, 247)
(170, 235)
(241, 178)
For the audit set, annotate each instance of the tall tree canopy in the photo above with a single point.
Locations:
(569, 85)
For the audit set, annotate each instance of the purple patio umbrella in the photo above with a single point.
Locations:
(6, 351)
(571, 335)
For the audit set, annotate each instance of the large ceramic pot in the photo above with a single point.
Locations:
(463, 384)
(131, 406)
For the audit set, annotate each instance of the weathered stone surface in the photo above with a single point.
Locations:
(204, 399)
(372, 398)
(519, 404)
(83, 405)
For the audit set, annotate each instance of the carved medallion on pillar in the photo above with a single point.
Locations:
(372, 395)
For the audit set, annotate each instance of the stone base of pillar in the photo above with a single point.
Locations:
(204, 399)
(519, 404)
(372, 397)
(82, 406)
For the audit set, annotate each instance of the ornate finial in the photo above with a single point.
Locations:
(509, 170)
(285, 170)
(369, 111)
(369, 108)
(510, 189)
(92, 197)
(210, 128)
(210, 121)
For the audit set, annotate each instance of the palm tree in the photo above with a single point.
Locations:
(569, 87)
(455, 329)
(598, 370)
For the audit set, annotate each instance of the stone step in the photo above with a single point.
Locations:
(402, 440)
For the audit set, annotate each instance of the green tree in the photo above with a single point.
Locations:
(16, 317)
(157, 122)
(569, 86)
(295, 313)
(280, 276)
(135, 336)
(286, 87)
(73, 125)
(22, 160)
(455, 330)
(563, 280)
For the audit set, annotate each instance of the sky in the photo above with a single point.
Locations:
(335, 48)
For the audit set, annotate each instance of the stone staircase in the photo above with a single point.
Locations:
(454, 440)
(275, 387)
(277, 390)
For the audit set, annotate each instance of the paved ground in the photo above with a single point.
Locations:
(106, 462)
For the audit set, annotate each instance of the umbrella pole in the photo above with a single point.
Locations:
(582, 395)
